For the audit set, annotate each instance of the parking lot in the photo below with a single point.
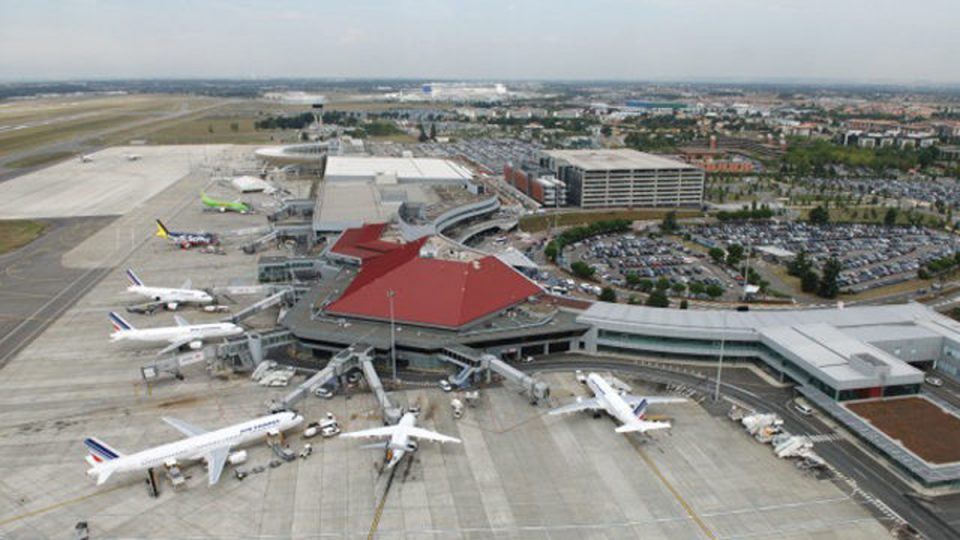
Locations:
(490, 153)
(925, 191)
(872, 255)
(616, 256)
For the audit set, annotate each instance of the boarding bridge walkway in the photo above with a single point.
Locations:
(337, 367)
(473, 362)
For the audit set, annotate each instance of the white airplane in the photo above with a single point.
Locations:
(212, 446)
(87, 158)
(171, 298)
(627, 409)
(401, 436)
(175, 336)
(133, 157)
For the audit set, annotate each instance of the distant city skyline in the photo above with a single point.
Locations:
(851, 41)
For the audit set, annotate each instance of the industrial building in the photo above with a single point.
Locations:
(624, 178)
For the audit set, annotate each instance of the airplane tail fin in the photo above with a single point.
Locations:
(100, 451)
(132, 276)
(162, 231)
(640, 409)
(119, 323)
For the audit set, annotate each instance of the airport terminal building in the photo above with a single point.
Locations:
(846, 353)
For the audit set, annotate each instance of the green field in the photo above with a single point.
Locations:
(543, 221)
(18, 233)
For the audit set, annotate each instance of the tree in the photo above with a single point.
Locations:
(717, 255)
(809, 281)
(669, 223)
(890, 218)
(678, 287)
(714, 291)
(829, 288)
(582, 269)
(734, 254)
(433, 132)
(658, 298)
(800, 265)
(423, 135)
(644, 284)
(819, 216)
(607, 294)
(662, 284)
(551, 251)
(606, 131)
(634, 299)
(684, 304)
(697, 288)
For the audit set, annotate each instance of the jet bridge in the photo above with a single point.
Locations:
(391, 413)
(474, 363)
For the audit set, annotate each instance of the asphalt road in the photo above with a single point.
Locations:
(35, 289)
(932, 518)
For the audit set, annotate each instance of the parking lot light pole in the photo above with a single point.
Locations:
(723, 339)
(393, 336)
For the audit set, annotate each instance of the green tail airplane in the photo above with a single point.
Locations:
(224, 206)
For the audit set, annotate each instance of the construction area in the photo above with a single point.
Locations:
(918, 424)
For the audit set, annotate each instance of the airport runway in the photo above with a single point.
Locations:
(846, 457)
(35, 288)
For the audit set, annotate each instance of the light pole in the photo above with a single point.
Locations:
(393, 336)
(723, 339)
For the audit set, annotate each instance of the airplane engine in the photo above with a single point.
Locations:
(238, 457)
(412, 446)
(172, 306)
(194, 345)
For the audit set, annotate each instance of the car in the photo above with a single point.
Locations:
(933, 381)
(581, 377)
(323, 392)
(445, 385)
(802, 408)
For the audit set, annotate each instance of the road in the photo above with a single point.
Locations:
(846, 457)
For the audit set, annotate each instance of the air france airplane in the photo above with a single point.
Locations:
(175, 336)
(170, 297)
(213, 446)
(627, 409)
(400, 442)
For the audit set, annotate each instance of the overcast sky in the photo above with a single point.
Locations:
(727, 40)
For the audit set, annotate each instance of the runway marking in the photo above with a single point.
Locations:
(60, 504)
(673, 491)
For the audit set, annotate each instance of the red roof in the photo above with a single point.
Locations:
(432, 292)
(363, 243)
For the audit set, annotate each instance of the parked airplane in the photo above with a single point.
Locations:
(223, 206)
(212, 446)
(171, 298)
(187, 240)
(86, 158)
(400, 442)
(184, 333)
(133, 157)
(627, 409)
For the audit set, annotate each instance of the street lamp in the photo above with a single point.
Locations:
(393, 336)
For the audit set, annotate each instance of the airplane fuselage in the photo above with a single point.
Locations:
(199, 446)
(168, 295)
(611, 400)
(194, 332)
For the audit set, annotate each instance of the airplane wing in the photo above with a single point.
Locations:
(618, 384)
(589, 404)
(216, 460)
(180, 321)
(372, 432)
(633, 401)
(174, 345)
(188, 284)
(428, 435)
(186, 428)
(642, 426)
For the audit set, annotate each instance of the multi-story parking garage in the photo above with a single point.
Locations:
(624, 178)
